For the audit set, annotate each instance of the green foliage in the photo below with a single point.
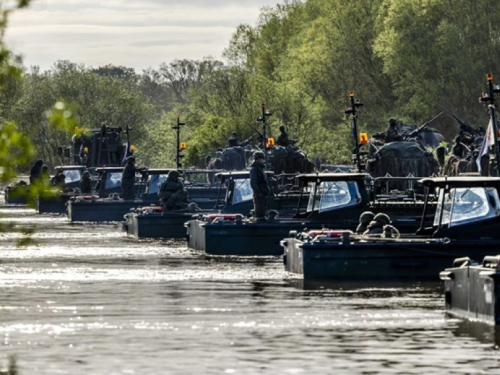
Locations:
(15, 150)
(300, 59)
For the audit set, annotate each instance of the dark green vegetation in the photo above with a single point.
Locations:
(301, 58)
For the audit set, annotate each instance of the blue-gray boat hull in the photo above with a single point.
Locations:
(473, 292)
(56, 205)
(360, 261)
(243, 239)
(157, 224)
(100, 211)
(12, 198)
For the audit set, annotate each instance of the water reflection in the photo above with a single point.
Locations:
(89, 300)
(484, 333)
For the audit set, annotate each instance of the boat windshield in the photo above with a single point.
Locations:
(330, 195)
(242, 191)
(113, 180)
(72, 175)
(464, 205)
(155, 181)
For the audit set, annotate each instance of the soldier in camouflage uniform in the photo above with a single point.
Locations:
(85, 183)
(283, 137)
(172, 194)
(260, 186)
(392, 134)
(128, 178)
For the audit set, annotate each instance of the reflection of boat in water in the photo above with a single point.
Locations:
(466, 223)
(483, 332)
(472, 289)
(333, 199)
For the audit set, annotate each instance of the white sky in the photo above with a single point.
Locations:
(133, 33)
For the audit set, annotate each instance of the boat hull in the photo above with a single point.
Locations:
(16, 196)
(99, 210)
(55, 205)
(157, 224)
(244, 239)
(473, 292)
(365, 261)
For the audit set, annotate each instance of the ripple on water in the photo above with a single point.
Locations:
(86, 299)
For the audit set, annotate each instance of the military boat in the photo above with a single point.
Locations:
(106, 207)
(466, 222)
(105, 203)
(326, 199)
(57, 203)
(233, 195)
(17, 194)
(472, 289)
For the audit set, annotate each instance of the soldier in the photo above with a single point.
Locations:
(260, 186)
(233, 140)
(389, 231)
(283, 137)
(36, 170)
(59, 180)
(364, 220)
(172, 194)
(85, 183)
(128, 178)
(391, 134)
(459, 149)
(376, 226)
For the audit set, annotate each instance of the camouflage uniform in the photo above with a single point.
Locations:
(128, 178)
(233, 140)
(85, 183)
(376, 227)
(172, 194)
(391, 134)
(283, 137)
(36, 170)
(260, 187)
(364, 220)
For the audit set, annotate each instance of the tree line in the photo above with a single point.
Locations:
(401, 57)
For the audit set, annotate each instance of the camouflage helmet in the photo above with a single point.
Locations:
(172, 175)
(382, 218)
(366, 217)
(258, 155)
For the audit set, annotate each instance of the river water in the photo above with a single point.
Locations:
(85, 299)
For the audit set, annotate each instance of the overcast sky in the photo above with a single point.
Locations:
(132, 33)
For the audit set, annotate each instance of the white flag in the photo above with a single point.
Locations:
(489, 140)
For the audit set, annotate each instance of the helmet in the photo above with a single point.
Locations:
(366, 217)
(382, 218)
(258, 155)
(86, 174)
(234, 134)
(172, 175)
(130, 159)
(282, 128)
(392, 121)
